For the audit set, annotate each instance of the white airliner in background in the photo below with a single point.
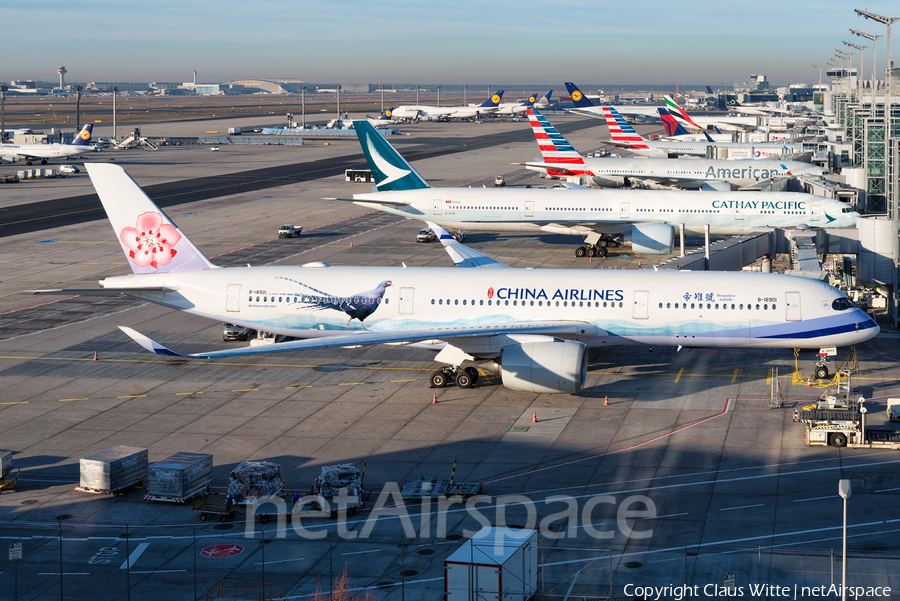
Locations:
(11, 153)
(421, 111)
(622, 135)
(517, 108)
(536, 323)
(583, 106)
(386, 118)
(728, 122)
(561, 159)
(646, 220)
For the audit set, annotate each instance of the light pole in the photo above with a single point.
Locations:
(887, 101)
(78, 90)
(820, 73)
(115, 90)
(59, 521)
(862, 54)
(3, 90)
(303, 106)
(874, 38)
(465, 89)
(127, 565)
(439, 95)
(844, 491)
(417, 95)
(339, 102)
(382, 99)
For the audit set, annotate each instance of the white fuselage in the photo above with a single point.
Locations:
(666, 148)
(419, 111)
(613, 171)
(44, 151)
(663, 308)
(554, 210)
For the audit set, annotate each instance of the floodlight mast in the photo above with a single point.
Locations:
(874, 39)
(887, 101)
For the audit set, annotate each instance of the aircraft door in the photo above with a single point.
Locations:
(815, 212)
(233, 298)
(793, 306)
(437, 206)
(529, 208)
(641, 301)
(739, 214)
(623, 210)
(406, 300)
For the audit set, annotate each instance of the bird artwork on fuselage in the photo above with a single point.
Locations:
(356, 306)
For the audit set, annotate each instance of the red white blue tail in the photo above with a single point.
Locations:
(554, 148)
(621, 131)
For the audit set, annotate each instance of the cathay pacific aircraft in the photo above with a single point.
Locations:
(560, 158)
(646, 220)
(535, 323)
(10, 153)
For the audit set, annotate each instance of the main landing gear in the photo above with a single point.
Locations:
(599, 249)
(464, 377)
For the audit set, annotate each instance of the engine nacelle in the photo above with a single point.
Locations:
(651, 239)
(9, 158)
(554, 366)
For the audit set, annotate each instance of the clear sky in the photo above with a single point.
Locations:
(401, 41)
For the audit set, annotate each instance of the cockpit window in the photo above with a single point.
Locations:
(841, 304)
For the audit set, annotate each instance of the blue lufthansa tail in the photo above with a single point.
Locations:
(578, 97)
(84, 136)
(391, 171)
(709, 90)
(493, 101)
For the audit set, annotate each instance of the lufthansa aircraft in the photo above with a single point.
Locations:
(646, 220)
(421, 111)
(10, 153)
(560, 158)
(535, 323)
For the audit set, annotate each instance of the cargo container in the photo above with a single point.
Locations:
(179, 477)
(5, 463)
(496, 564)
(112, 470)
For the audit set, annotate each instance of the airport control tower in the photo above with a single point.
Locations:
(62, 77)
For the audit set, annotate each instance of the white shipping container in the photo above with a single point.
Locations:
(496, 564)
(5, 463)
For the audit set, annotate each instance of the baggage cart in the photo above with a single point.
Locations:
(179, 477)
(436, 488)
(113, 471)
(213, 504)
(9, 483)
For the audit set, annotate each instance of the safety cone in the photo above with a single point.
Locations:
(434, 399)
(95, 356)
(809, 382)
(606, 401)
(351, 244)
(640, 265)
(591, 259)
(534, 417)
(651, 350)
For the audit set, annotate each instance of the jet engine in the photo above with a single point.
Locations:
(651, 238)
(9, 158)
(554, 366)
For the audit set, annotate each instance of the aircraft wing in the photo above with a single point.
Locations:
(101, 291)
(380, 201)
(555, 167)
(461, 254)
(547, 328)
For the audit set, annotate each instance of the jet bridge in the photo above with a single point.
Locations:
(803, 246)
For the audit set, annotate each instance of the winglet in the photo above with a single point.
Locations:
(148, 344)
(461, 254)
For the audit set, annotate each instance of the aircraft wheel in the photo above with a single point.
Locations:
(43, 162)
(580, 251)
(821, 372)
(438, 379)
(473, 373)
(592, 251)
(602, 252)
(603, 242)
(28, 163)
(464, 380)
(614, 244)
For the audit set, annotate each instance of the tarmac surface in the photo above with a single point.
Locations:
(726, 484)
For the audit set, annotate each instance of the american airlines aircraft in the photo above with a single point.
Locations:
(625, 136)
(421, 111)
(561, 159)
(10, 153)
(645, 220)
(537, 324)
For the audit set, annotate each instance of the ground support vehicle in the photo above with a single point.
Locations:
(214, 504)
(438, 488)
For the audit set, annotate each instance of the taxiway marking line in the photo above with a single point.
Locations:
(67, 400)
(413, 380)
(300, 386)
(737, 370)
(129, 563)
(259, 563)
(741, 507)
(15, 403)
(351, 383)
(678, 377)
(183, 393)
(361, 552)
(245, 390)
(671, 515)
(132, 396)
(813, 499)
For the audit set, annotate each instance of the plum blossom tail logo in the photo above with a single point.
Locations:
(151, 242)
(491, 292)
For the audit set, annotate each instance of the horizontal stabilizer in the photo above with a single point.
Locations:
(461, 254)
(100, 291)
(380, 201)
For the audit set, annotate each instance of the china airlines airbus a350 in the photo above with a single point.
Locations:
(535, 323)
